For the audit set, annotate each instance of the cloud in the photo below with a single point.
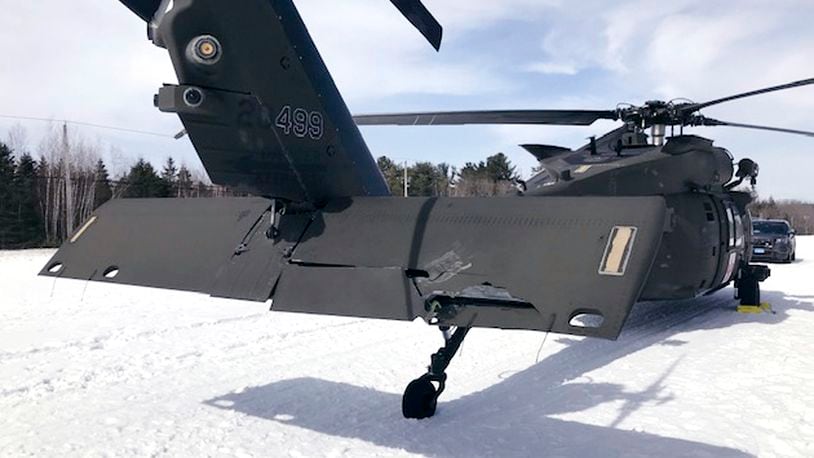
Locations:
(372, 52)
(552, 68)
(689, 48)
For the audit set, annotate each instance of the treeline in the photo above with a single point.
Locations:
(43, 200)
(799, 214)
(495, 176)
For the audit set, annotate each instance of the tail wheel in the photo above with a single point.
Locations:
(420, 399)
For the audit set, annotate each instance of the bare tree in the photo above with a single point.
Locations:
(799, 214)
(17, 139)
(67, 181)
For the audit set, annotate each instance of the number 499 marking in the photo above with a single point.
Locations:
(300, 122)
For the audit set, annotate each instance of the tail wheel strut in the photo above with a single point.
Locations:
(420, 398)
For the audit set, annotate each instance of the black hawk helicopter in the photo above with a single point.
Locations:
(626, 218)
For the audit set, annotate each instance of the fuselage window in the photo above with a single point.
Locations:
(735, 220)
(730, 218)
(738, 231)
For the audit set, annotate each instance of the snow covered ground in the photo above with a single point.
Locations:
(92, 369)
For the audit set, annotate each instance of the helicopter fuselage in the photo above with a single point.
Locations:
(707, 234)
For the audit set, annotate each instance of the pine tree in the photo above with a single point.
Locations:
(102, 190)
(499, 168)
(170, 170)
(424, 179)
(169, 175)
(31, 228)
(393, 174)
(8, 204)
(143, 181)
(472, 170)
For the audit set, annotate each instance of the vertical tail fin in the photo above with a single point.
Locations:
(258, 102)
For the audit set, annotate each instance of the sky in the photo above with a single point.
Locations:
(90, 61)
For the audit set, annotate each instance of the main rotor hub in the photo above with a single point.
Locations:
(658, 113)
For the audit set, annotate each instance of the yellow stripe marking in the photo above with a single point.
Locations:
(763, 307)
(617, 252)
(83, 229)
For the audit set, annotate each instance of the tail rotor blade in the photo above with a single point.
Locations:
(422, 19)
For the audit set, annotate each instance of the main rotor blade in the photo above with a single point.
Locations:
(145, 9)
(422, 19)
(697, 106)
(453, 118)
(703, 121)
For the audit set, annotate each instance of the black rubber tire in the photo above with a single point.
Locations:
(749, 291)
(793, 255)
(420, 399)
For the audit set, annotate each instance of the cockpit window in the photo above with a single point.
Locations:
(770, 227)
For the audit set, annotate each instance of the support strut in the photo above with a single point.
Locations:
(421, 395)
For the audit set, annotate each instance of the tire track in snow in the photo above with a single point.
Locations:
(122, 335)
(156, 362)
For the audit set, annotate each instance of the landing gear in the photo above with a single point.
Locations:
(421, 398)
(748, 283)
(421, 395)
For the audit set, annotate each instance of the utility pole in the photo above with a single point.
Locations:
(66, 164)
(406, 185)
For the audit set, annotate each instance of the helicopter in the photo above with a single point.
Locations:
(634, 215)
